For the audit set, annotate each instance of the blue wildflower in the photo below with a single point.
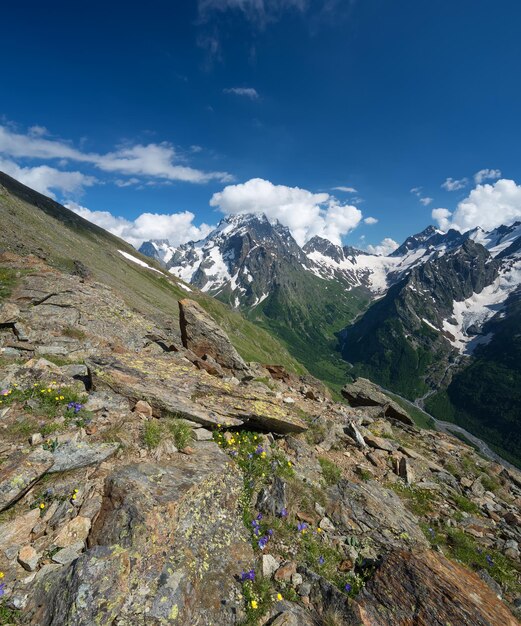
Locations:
(269, 532)
(301, 527)
(348, 587)
(321, 560)
(259, 449)
(284, 512)
(263, 542)
(2, 589)
(249, 575)
(489, 560)
(259, 516)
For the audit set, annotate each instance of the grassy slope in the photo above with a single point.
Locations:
(307, 318)
(32, 223)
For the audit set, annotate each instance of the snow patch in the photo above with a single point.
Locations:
(139, 262)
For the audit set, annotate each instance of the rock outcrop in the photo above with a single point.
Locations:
(363, 392)
(205, 338)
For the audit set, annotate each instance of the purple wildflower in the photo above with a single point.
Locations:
(250, 455)
(259, 516)
(284, 512)
(250, 575)
(348, 587)
(259, 449)
(2, 589)
(263, 542)
(4, 392)
(269, 532)
(489, 560)
(301, 527)
(75, 406)
(321, 560)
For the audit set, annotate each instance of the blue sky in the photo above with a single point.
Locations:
(152, 109)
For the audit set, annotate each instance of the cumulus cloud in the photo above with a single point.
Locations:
(156, 160)
(346, 189)
(245, 92)
(451, 184)
(487, 206)
(305, 213)
(47, 180)
(385, 247)
(178, 228)
(486, 174)
(370, 220)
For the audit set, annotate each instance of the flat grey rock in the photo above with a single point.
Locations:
(75, 454)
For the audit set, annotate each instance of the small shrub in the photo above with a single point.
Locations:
(152, 434)
(419, 501)
(332, 473)
(181, 433)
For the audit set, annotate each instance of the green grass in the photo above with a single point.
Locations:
(7, 615)
(331, 472)
(152, 434)
(465, 505)
(181, 433)
(8, 279)
(420, 501)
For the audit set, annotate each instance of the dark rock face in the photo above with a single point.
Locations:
(203, 336)
(426, 589)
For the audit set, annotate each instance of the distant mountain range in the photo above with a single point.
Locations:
(437, 318)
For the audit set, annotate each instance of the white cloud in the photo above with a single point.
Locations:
(157, 160)
(416, 191)
(370, 220)
(451, 184)
(486, 174)
(178, 228)
(37, 131)
(245, 92)
(46, 179)
(487, 206)
(384, 248)
(442, 216)
(257, 11)
(426, 201)
(346, 189)
(305, 213)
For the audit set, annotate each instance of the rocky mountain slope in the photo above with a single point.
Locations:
(153, 476)
(33, 223)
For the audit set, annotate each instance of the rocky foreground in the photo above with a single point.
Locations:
(150, 476)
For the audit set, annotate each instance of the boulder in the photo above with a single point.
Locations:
(28, 558)
(168, 547)
(9, 313)
(373, 511)
(203, 336)
(173, 388)
(365, 393)
(426, 588)
(20, 472)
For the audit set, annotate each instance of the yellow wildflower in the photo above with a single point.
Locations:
(254, 604)
(76, 491)
(73, 496)
(62, 397)
(319, 530)
(2, 574)
(42, 506)
(279, 597)
(289, 463)
(56, 398)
